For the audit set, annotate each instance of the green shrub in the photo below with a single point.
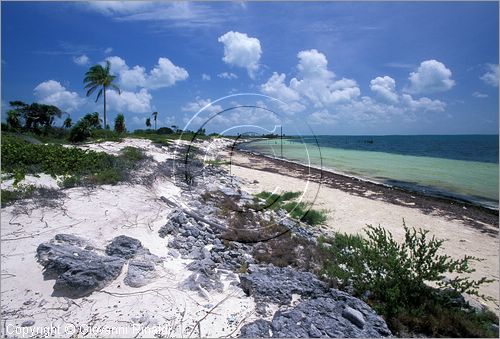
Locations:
(80, 131)
(21, 192)
(78, 166)
(132, 154)
(395, 278)
(297, 210)
(314, 217)
(101, 135)
(120, 124)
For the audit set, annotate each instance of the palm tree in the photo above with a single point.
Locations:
(148, 122)
(155, 115)
(100, 77)
(14, 119)
(67, 122)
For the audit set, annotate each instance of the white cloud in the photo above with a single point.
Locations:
(242, 51)
(276, 87)
(322, 117)
(479, 95)
(198, 104)
(205, 77)
(82, 60)
(431, 76)
(119, 7)
(135, 102)
(491, 75)
(317, 83)
(316, 89)
(227, 75)
(51, 92)
(181, 14)
(423, 104)
(108, 50)
(163, 74)
(385, 88)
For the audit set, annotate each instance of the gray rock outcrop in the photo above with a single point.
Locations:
(79, 270)
(322, 312)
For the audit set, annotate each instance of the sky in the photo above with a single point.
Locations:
(323, 67)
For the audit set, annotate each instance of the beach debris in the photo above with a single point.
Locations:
(194, 215)
(79, 270)
(322, 312)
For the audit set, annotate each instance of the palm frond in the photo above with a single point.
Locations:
(116, 88)
(91, 89)
(98, 95)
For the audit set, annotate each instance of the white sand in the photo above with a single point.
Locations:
(118, 310)
(162, 306)
(350, 214)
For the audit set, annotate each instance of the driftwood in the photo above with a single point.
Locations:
(194, 215)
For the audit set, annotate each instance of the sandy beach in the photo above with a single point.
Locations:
(175, 302)
(353, 204)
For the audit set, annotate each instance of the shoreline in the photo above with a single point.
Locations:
(351, 204)
(475, 215)
(435, 192)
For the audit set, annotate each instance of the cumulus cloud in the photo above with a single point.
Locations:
(314, 81)
(51, 92)
(242, 51)
(205, 77)
(322, 118)
(198, 104)
(108, 50)
(227, 75)
(135, 102)
(423, 104)
(82, 60)
(491, 75)
(276, 87)
(317, 83)
(431, 76)
(316, 88)
(385, 88)
(163, 74)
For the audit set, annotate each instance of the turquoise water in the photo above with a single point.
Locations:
(475, 181)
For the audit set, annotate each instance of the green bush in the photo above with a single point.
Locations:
(100, 135)
(80, 131)
(120, 124)
(21, 192)
(132, 154)
(297, 210)
(78, 166)
(395, 278)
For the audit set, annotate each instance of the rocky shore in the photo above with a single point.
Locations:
(178, 250)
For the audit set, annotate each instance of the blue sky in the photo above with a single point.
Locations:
(323, 67)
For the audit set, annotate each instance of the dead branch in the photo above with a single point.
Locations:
(194, 215)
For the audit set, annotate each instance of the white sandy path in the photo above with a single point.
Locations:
(350, 214)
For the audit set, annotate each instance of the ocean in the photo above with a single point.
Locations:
(458, 166)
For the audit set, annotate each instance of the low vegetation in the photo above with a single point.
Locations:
(216, 162)
(77, 166)
(298, 210)
(416, 289)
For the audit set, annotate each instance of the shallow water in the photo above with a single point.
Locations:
(475, 181)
